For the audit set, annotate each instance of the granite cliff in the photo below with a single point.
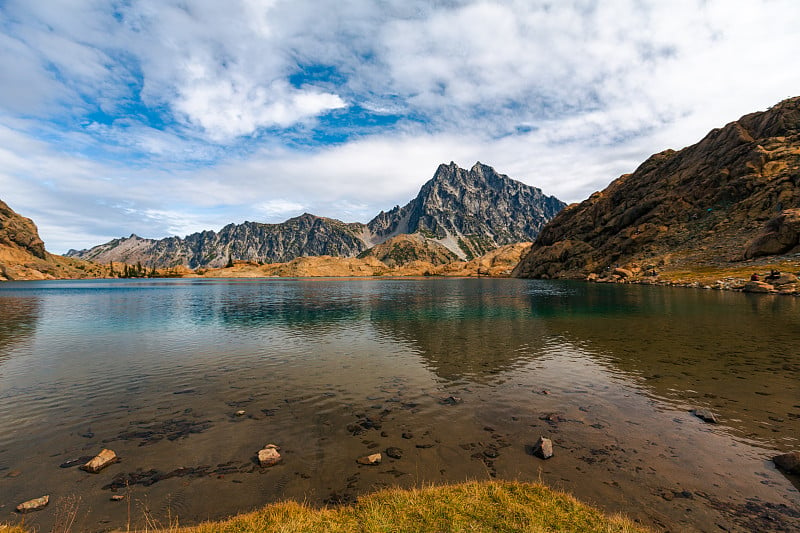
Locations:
(733, 196)
(458, 214)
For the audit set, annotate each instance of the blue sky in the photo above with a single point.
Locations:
(165, 117)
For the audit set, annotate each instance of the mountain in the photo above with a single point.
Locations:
(252, 241)
(734, 195)
(23, 255)
(470, 211)
(458, 213)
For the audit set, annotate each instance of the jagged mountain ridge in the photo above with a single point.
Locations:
(467, 211)
(733, 195)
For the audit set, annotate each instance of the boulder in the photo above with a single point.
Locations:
(788, 462)
(240, 412)
(623, 272)
(705, 415)
(269, 456)
(543, 448)
(757, 286)
(394, 453)
(33, 505)
(371, 460)
(100, 461)
(779, 236)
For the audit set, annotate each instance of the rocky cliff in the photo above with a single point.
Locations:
(457, 214)
(732, 196)
(23, 256)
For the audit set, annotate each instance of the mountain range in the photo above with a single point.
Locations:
(458, 214)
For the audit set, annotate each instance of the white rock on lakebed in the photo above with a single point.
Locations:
(100, 461)
(269, 456)
(373, 459)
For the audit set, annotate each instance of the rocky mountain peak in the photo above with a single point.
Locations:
(467, 212)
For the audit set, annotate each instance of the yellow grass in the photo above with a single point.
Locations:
(497, 506)
(471, 506)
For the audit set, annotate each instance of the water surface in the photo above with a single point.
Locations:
(461, 375)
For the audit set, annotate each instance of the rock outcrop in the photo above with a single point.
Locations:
(457, 214)
(733, 195)
(23, 255)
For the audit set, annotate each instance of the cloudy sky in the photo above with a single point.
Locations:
(165, 117)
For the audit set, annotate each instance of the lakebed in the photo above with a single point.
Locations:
(459, 376)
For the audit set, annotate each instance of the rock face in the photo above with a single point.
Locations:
(19, 232)
(457, 214)
(733, 195)
(23, 256)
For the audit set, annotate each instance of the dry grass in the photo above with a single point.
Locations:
(473, 506)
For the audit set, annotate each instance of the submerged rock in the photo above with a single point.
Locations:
(100, 461)
(543, 448)
(788, 462)
(394, 453)
(269, 456)
(450, 400)
(117, 497)
(374, 459)
(705, 415)
(33, 505)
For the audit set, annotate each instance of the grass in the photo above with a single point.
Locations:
(471, 506)
(466, 507)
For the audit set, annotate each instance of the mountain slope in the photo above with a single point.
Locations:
(465, 212)
(23, 255)
(732, 196)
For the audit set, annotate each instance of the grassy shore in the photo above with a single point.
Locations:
(471, 506)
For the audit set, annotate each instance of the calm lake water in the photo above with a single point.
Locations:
(460, 375)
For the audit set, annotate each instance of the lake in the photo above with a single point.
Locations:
(461, 376)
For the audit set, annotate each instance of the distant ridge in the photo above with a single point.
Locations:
(734, 195)
(468, 212)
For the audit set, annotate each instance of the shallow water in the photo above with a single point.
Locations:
(334, 369)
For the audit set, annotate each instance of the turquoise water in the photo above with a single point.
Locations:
(334, 369)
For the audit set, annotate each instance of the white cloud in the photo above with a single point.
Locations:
(200, 96)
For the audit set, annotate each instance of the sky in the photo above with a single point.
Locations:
(166, 117)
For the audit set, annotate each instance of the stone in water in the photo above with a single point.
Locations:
(100, 461)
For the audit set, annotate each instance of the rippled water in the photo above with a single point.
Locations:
(334, 369)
